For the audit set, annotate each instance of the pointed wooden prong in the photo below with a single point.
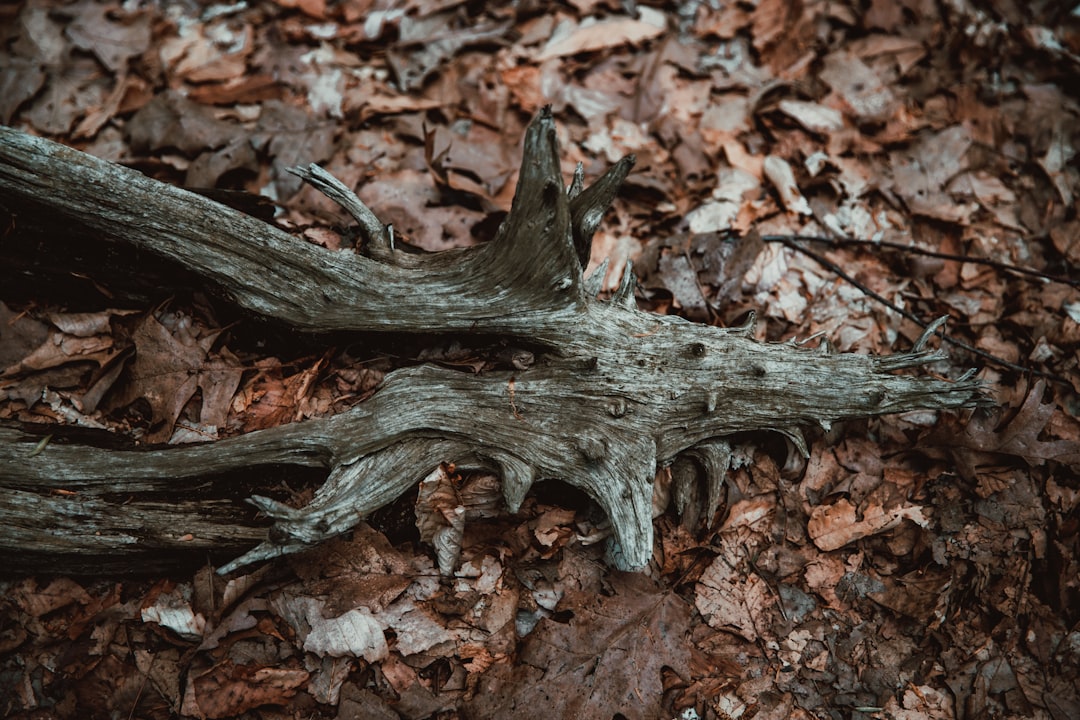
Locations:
(712, 401)
(379, 237)
(820, 335)
(624, 295)
(587, 208)
(274, 509)
(920, 344)
(595, 282)
(715, 458)
(517, 479)
(795, 435)
(748, 327)
(260, 553)
(627, 502)
(578, 183)
(533, 250)
(685, 491)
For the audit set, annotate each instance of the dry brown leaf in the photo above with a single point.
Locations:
(21, 80)
(170, 365)
(813, 116)
(780, 174)
(355, 633)
(440, 517)
(1019, 437)
(409, 200)
(67, 96)
(590, 35)
(172, 121)
(866, 96)
(607, 659)
(227, 690)
(415, 628)
(37, 601)
(833, 526)
(733, 600)
(113, 36)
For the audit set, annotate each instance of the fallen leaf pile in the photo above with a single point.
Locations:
(924, 566)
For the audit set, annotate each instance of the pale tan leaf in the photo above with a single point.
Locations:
(834, 526)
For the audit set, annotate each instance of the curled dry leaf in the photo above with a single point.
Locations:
(228, 690)
(591, 35)
(783, 179)
(833, 526)
(355, 633)
(440, 518)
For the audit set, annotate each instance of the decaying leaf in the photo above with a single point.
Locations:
(170, 364)
(1019, 436)
(607, 659)
(834, 526)
(355, 633)
(228, 690)
(732, 599)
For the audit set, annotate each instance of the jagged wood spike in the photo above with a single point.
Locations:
(274, 509)
(820, 335)
(595, 282)
(631, 545)
(349, 494)
(540, 206)
(684, 490)
(624, 294)
(271, 273)
(748, 327)
(712, 401)
(517, 479)
(587, 208)
(795, 435)
(578, 182)
(380, 238)
(715, 458)
(932, 328)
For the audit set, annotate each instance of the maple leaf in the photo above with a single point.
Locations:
(1018, 437)
(169, 366)
(607, 659)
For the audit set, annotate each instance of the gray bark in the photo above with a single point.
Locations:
(614, 394)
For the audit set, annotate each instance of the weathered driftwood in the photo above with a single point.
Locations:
(613, 393)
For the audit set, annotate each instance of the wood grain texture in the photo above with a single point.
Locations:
(613, 394)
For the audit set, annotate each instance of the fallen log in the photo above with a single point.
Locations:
(606, 395)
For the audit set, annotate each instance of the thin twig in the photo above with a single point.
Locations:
(915, 250)
(791, 241)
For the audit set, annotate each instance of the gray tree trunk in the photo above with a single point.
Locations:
(612, 394)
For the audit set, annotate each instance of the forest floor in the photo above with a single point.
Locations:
(921, 566)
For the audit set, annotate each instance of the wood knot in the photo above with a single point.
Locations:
(592, 448)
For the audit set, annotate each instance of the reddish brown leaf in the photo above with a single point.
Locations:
(228, 690)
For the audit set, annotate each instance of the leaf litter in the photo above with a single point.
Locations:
(912, 567)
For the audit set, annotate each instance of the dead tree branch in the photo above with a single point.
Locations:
(615, 393)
